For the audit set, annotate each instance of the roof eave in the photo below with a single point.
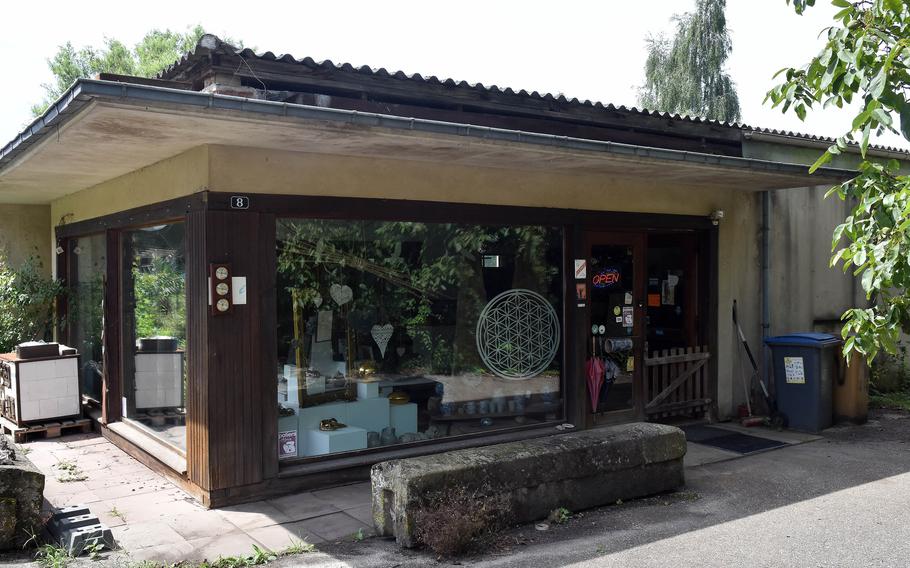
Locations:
(84, 90)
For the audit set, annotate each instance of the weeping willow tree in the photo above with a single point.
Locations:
(686, 75)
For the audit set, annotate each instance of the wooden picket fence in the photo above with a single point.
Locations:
(677, 382)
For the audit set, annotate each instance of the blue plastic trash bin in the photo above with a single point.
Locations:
(805, 365)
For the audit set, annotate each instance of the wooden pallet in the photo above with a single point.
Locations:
(28, 433)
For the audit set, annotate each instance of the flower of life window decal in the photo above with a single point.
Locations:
(517, 334)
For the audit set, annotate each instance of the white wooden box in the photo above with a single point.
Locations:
(39, 389)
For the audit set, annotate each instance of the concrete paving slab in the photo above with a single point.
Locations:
(200, 524)
(280, 537)
(232, 544)
(163, 554)
(346, 496)
(134, 536)
(303, 506)
(336, 526)
(363, 513)
(253, 515)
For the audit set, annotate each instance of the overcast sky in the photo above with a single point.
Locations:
(590, 50)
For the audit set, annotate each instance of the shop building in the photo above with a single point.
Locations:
(284, 271)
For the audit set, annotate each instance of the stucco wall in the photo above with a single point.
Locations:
(174, 177)
(807, 293)
(25, 231)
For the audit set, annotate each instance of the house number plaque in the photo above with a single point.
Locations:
(240, 202)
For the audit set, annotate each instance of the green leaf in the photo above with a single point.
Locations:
(905, 120)
(877, 84)
(864, 143)
(821, 161)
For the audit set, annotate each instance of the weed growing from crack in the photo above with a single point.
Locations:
(71, 472)
(53, 556)
(559, 516)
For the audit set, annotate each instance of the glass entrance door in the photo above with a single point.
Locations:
(614, 331)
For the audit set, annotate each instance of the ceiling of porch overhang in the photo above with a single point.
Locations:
(107, 138)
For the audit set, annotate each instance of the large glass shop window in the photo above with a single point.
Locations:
(86, 310)
(154, 288)
(398, 332)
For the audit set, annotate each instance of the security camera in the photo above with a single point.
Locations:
(716, 216)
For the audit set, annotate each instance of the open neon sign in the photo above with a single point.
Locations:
(606, 278)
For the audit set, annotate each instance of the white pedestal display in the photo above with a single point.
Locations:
(159, 380)
(367, 390)
(342, 440)
(403, 418)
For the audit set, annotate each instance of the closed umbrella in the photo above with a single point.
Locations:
(595, 377)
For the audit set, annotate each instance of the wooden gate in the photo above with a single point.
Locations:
(676, 382)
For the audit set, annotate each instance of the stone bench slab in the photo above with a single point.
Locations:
(578, 471)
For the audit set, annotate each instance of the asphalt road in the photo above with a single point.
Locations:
(840, 501)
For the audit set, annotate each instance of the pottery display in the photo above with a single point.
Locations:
(373, 439)
(388, 436)
(330, 425)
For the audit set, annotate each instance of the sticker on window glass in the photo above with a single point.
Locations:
(287, 444)
(794, 370)
(627, 318)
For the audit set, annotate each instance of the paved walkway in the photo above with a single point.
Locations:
(153, 519)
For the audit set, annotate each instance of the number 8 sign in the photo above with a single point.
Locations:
(240, 202)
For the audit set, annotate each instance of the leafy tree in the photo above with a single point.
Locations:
(157, 50)
(160, 292)
(863, 66)
(686, 74)
(27, 302)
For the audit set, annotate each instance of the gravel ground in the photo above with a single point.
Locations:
(839, 501)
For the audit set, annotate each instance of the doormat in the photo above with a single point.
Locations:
(727, 440)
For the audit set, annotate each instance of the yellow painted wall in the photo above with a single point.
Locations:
(24, 232)
(174, 177)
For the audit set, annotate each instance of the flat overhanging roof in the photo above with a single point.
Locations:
(100, 130)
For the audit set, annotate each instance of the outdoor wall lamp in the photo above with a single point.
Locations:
(716, 216)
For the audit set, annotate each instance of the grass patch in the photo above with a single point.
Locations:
(53, 556)
(258, 557)
(899, 400)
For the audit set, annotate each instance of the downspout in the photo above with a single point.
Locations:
(765, 280)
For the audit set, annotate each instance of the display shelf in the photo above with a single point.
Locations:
(537, 408)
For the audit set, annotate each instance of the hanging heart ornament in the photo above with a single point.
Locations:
(341, 294)
(381, 335)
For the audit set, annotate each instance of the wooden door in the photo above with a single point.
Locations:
(615, 323)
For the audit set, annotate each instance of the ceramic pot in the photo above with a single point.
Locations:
(388, 436)
(373, 439)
